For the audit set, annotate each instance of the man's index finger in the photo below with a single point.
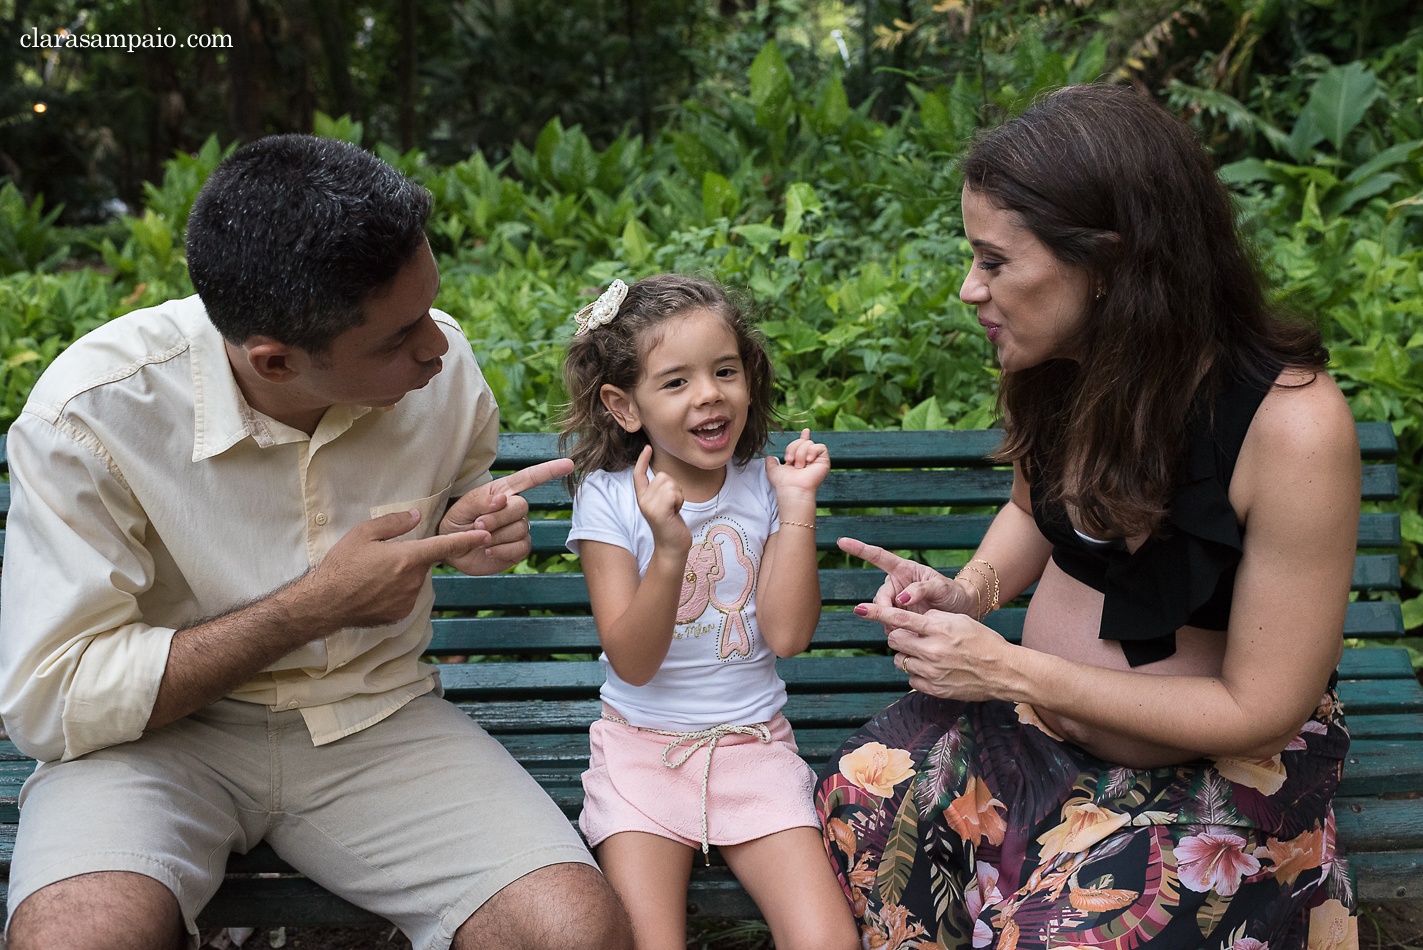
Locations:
(526, 478)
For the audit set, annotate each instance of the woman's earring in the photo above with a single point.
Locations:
(1101, 291)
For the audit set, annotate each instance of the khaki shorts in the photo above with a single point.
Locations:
(420, 818)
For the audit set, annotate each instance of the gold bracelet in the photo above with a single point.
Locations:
(997, 588)
(798, 524)
(989, 583)
(977, 594)
(980, 612)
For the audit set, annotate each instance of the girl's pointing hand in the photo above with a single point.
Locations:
(660, 501)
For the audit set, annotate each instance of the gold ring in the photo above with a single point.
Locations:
(905, 666)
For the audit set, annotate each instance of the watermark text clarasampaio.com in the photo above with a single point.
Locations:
(130, 42)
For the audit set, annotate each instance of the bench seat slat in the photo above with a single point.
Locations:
(1386, 876)
(845, 710)
(937, 487)
(968, 487)
(869, 449)
(930, 532)
(836, 630)
(569, 680)
(838, 586)
(1380, 824)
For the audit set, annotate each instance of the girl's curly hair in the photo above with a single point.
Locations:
(612, 355)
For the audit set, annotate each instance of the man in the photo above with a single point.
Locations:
(217, 587)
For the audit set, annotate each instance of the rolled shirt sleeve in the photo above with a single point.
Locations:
(79, 670)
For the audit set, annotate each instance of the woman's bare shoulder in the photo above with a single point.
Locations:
(1304, 410)
(1302, 430)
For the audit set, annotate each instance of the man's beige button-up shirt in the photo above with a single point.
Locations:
(147, 495)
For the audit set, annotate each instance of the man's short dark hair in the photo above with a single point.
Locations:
(292, 234)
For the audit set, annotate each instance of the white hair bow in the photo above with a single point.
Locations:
(603, 309)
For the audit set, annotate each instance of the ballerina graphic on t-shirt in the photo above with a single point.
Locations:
(705, 568)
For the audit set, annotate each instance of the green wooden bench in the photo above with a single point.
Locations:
(540, 708)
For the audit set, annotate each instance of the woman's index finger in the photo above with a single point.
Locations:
(879, 557)
(894, 617)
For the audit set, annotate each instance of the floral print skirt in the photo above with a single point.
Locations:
(955, 824)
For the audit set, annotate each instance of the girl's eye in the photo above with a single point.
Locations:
(674, 384)
(726, 372)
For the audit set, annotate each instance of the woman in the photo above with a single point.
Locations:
(1154, 765)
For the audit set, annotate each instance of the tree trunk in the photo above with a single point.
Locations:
(333, 20)
(243, 99)
(406, 75)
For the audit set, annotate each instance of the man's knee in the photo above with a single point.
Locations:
(113, 910)
(562, 905)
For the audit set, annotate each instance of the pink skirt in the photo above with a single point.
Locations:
(754, 789)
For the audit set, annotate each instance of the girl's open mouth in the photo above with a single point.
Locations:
(712, 436)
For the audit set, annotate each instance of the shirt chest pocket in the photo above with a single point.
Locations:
(431, 508)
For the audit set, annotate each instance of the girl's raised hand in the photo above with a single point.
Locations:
(660, 501)
(807, 463)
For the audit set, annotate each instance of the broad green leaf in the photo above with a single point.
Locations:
(693, 155)
(800, 198)
(324, 126)
(761, 236)
(1376, 185)
(574, 165)
(915, 418)
(1247, 169)
(846, 421)
(635, 245)
(719, 197)
(1339, 99)
(547, 141)
(833, 111)
(1412, 525)
(1412, 615)
(935, 116)
(1304, 136)
(1392, 155)
(770, 87)
(1310, 216)
(1089, 64)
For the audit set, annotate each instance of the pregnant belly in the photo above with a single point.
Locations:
(1064, 619)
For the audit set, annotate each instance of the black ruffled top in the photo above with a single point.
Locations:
(1186, 575)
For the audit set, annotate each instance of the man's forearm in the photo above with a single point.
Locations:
(211, 658)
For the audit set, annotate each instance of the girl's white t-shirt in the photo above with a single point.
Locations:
(717, 669)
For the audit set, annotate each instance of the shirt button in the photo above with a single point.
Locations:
(293, 704)
(321, 517)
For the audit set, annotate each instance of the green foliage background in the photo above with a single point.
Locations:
(844, 229)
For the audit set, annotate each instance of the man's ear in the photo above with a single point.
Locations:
(269, 359)
(621, 406)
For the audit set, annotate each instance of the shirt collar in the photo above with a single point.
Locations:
(221, 415)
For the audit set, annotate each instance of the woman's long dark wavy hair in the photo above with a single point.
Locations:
(1113, 184)
(613, 353)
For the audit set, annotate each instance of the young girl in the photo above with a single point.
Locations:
(700, 563)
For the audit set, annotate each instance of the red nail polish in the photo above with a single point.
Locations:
(862, 610)
(903, 597)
